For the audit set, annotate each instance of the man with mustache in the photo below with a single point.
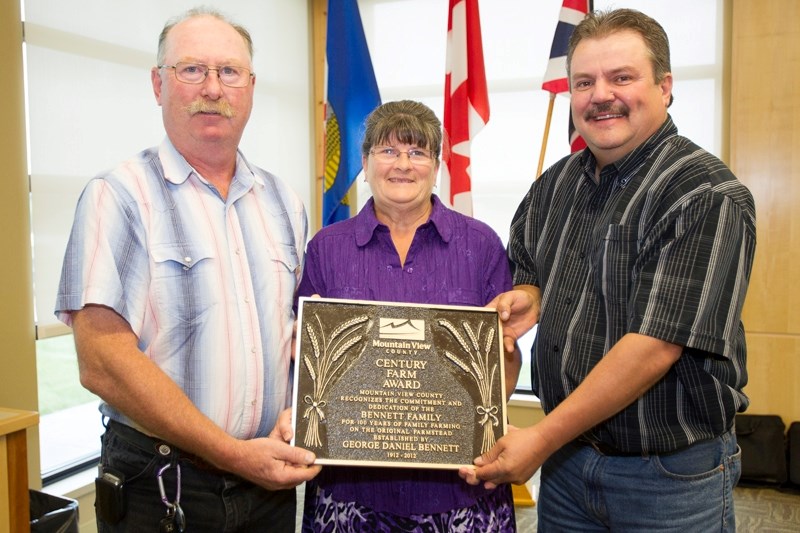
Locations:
(178, 282)
(634, 257)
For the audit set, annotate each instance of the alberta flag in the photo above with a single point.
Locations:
(466, 102)
(555, 77)
(352, 93)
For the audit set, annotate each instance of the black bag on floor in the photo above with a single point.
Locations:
(763, 444)
(794, 452)
(52, 514)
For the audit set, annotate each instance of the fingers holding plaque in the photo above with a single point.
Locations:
(387, 384)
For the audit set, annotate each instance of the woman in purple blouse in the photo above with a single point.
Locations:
(406, 246)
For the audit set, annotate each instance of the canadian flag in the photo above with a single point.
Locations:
(466, 102)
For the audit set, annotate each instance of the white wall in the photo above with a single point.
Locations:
(91, 104)
(517, 35)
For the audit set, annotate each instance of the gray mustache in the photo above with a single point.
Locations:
(220, 107)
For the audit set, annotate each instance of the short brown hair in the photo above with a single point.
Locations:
(404, 121)
(600, 24)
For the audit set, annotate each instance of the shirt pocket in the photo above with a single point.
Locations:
(285, 260)
(351, 293)
(461, 296)
(455, 296)
(181, 280)
(279, 285)
(616, 259)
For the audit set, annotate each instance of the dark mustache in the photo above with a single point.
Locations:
(607, 108)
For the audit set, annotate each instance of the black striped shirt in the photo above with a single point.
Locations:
(662, 246)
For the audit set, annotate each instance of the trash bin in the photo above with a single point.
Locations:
(53, 514)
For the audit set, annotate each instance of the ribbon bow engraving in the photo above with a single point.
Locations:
(488, 412)
(315, 406)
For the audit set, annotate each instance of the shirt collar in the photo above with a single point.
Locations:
(441, 219)
(177, 170)
(631, 161)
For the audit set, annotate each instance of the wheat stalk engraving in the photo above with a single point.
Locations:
(329, 359)
(476, 363)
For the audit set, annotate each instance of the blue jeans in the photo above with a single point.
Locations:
(212, 501)
(687, 490)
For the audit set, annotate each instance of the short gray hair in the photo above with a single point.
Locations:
(199, 12)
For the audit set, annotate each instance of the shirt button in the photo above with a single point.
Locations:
(555, 348)
(410, 270)
(567, 300)
(187, 259)
(582, 255)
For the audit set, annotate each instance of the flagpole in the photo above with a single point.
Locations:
(319, 27)
(546, 134)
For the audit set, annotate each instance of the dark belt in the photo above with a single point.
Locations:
(606, 449)
(161, 447)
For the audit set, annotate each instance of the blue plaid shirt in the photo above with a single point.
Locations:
(206, 284)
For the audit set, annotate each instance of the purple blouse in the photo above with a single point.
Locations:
(454, 260)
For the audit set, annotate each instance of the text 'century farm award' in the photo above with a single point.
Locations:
(388, 384)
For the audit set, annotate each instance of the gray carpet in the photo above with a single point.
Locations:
(762, 510)
(767, 509)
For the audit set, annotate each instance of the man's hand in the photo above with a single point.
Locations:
(514, 459)
(273, 464)
(519, 312)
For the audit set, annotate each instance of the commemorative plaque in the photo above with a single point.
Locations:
(388, 384)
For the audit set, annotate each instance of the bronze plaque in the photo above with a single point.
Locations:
(388, 384)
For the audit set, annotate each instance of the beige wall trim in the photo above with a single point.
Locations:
(71, 43)
(52, 330)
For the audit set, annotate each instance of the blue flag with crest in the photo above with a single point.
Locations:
(352, 93)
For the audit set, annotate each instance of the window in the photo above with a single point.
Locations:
(517, 35)
(90, 106)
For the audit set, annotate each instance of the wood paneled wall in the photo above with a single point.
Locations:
(765, 155)
(18, 353)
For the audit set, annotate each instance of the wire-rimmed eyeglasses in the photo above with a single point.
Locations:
(196, 73)
(390, 154)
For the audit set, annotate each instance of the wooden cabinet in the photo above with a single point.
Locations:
(14, 500)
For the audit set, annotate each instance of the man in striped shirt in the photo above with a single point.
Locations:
(634, 257)
(178, 281)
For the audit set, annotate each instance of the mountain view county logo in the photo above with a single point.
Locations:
(402, 328)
